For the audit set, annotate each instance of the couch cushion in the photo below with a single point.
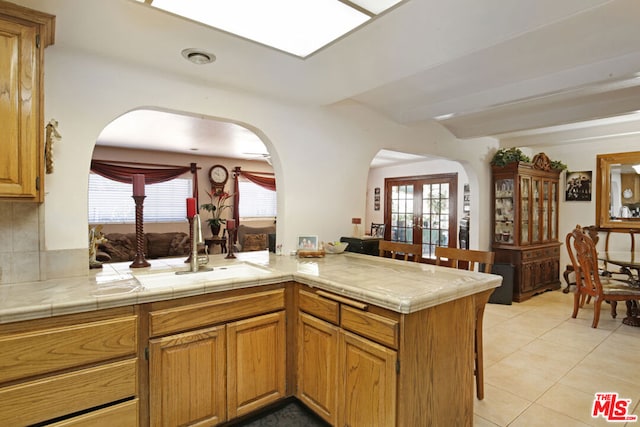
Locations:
(120, 247)
(180, 244)
(158, 244)
(245, 230)
(254, 242)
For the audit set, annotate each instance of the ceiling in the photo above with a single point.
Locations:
(515, 70)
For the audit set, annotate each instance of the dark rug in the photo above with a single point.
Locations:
(292, 414)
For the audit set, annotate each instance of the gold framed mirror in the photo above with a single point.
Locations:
(618, 190)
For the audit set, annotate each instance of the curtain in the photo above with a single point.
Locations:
(153, 174)
(264, 179)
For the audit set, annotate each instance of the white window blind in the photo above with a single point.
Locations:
(256, 201)
(110, 202)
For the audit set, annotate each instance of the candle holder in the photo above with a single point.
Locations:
(188, 260)
(231, 234)
(139, 260)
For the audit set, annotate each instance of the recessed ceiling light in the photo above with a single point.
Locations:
(198, 56)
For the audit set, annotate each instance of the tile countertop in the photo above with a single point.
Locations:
(400, 286)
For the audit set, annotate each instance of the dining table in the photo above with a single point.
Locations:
(629, 263)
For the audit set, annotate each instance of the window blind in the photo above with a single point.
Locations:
(110, 202)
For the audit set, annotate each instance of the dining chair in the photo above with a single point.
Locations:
(396, 249)
(584, 257)
(467, 259)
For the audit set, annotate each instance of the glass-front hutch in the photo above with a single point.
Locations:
(525, 224)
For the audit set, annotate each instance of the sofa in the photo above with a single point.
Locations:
(121, 247)
(255, 238)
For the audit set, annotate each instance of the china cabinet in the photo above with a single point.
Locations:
(525, 224)
(24, 33)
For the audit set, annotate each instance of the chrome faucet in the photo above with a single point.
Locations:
(197, 262)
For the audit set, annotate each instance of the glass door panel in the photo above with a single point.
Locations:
(535, 211)
(435, 217)
(525, 184)
(504, 209)
(554, 211)
(402, 213)
(545, 211)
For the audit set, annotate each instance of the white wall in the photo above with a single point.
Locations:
(320, 156)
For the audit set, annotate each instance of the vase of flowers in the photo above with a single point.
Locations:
(216, 206)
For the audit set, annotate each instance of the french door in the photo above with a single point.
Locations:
(422, 210)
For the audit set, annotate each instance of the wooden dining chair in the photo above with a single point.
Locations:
(589, 282)
(466, 259)
(398, 249)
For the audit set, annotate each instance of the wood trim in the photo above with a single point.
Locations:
(192, 316)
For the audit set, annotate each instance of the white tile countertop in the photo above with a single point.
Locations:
(400, 286)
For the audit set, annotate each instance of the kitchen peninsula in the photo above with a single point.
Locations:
(360, 340)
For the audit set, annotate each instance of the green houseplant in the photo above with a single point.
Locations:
(505, 156)
(216, 206)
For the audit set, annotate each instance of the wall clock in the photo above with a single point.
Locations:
(218, 175)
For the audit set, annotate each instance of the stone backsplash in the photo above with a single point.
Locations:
(22, 254)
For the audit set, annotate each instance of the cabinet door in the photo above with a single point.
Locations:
(19, 114)
(256, 355)
(367, 390)
(187, 378)
(318, 366)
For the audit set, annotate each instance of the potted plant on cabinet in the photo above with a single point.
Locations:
(216, 208)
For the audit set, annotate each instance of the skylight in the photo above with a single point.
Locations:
(299, 27)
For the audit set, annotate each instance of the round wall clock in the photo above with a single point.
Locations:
(218, 175)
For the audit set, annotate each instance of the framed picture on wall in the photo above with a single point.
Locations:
(578, 186)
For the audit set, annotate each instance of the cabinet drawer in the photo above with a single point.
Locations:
(217, 311)
(47, 350)
(320, 307)
(123, 414)
(370, 325)
(64, 394)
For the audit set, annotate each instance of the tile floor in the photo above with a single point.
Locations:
(542, 368)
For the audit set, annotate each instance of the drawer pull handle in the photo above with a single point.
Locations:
(355, 304)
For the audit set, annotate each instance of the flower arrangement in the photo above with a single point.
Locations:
(216, 207)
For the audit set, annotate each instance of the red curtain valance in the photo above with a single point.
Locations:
(153, 174)
(268, 182)
(264, 179)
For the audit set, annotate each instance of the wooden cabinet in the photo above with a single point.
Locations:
(215, 358)
(24, 34)
(318, 366)
(256, 363)
(367, 386)
(59, 367)
(335, 365)
(187, 378)
(525, 224)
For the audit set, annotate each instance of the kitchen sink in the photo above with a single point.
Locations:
(226, 273)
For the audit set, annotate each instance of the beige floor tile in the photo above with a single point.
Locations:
(498, 406)
(577, 335)
(528, 384)
(543, 368)
(481, 422)
(539, 416)
(572, 402)
(591, 381)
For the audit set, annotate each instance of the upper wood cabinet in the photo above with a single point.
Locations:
(24, 33)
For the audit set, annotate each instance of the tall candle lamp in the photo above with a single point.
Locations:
(138, 197)
(231, 233)
(191, 213)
